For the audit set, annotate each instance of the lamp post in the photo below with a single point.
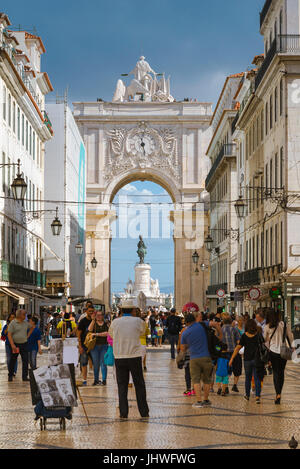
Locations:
(94, 262)
(240, 207)
(79, 249)
(208, 243)
(18, 186)
(56, 225)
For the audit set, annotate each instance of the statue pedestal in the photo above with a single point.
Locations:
(142, 279)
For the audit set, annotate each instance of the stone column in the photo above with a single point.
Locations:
(142, 279)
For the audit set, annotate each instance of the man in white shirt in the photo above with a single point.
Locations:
(126, 331)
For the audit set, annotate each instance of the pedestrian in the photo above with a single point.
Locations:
(67, 326)
(17, 336)
(174, 327)
(240, 325)
(99, 328)
(231, 338)
(34, 342)
(194, 339)
(82, 331)
(4, 337)
(126, 332)
(152, 324)
(222, 372)
(52, 326)
(143, 339)
(250, 342)
(186, 365)
(275, 334)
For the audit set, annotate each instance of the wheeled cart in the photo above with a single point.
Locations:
(44, 421)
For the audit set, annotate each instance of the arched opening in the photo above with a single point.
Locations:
(142, 207)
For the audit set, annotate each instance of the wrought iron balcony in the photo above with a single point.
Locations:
(264, 11)
(18, 274)
(249, 278)
(227, 150)
(282, 44)
(212, 289)
(233, 125)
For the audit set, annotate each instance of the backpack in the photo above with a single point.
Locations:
(174, 327)
(215, 345)
(54, 330)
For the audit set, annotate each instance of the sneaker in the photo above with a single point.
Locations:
(187, 393)
(227, 390)
(10, 378)
(84, 383)
(193, 393)
(235, 388)
(224, 394)
(257, 400)
(219, 392)
(26, 380)
(197, 405)
(103, 382)
(247, 398)
(96, 383)
(206, 403)
(212, 390)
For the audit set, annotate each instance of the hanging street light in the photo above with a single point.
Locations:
(56, 225)
(79, 248)
(208, 243)
(94, 262)
(240, 207)
(87, 270)
(195, 258)
(19, 186)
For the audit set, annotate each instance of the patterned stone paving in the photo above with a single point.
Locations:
(231, 422)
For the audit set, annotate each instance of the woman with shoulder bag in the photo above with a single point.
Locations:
(99, 329)
(276, 334)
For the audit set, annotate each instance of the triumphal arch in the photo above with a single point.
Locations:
(146, 134)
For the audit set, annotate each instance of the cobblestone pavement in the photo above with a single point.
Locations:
(231, 422)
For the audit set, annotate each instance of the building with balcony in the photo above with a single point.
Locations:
(24, 129)
(221, 183)
(65, 180)
(266, 131)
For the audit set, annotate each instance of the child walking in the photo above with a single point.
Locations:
(222, 373)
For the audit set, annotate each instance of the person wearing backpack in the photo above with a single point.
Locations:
(195, 339)
(276, 334)
(231, 338)
(52, 326)
(174, 327)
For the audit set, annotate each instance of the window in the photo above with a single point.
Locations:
(18, 124)
(26, 135)
(3, 172)
(267, 248)
(281, 243)
(271, 112)
(30, 140)
(275, 104)
(271, 246)
(8, 176)
(276, 245)
(4, 103)
(3, 239)
(267, 111)
(14, 117)
(8, 243)
(257, 251)
(281, 169)
(276, 171)
(266, 177)
(23, 129)
(281, 97)
(9, 110)
(271, 175)
(262, 125)
(33, 145)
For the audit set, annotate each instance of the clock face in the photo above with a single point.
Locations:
(143, 144)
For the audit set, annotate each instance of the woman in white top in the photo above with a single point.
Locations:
(273, 335)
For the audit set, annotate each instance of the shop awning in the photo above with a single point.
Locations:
(31, 293)
(16, 294)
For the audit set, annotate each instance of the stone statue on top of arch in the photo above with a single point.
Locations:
(142, 250)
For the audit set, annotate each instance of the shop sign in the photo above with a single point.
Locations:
(254, 294)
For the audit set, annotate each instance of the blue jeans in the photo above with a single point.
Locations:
(8, 357)
(32, 359)
(173, 340)
(98, 361)
(250, 371)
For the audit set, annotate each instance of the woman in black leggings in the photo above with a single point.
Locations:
(274, 338)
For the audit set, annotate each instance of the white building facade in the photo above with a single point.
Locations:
(65, 182)
(24, 129)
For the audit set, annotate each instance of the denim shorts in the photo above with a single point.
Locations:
(84, 359)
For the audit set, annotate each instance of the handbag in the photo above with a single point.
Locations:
(286, 352)
(262, 351)
(90, 340)
(180, 359)
(109, 358)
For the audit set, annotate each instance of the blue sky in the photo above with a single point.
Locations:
(90, 44)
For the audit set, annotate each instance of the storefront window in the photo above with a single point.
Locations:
(296, 311)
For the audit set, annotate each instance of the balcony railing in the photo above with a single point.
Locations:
(249, 278)
(233, 125)
(283, 44)
(18, 274)
(212, 289)
(47, 122)
(229, 149)
(264, 11)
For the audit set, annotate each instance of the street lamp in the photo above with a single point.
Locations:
(240, 207)
(94, 262)
(19, 186)
(56, 225)
(203, 267)
(87, 270)
(195, 258)
(208, 243)
(79, 248)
